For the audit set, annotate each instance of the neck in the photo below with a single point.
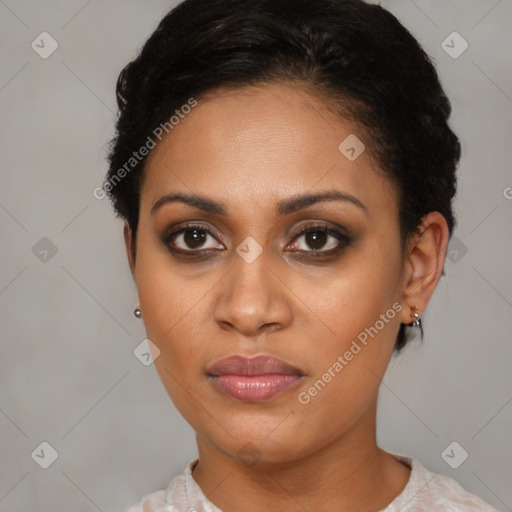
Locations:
(350, 473)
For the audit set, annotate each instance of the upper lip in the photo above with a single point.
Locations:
(252, 365)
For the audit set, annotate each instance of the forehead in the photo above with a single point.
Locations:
(258, 144)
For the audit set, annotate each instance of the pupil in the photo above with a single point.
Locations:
(316, 239)
(194, 237)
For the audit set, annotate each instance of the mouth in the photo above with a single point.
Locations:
(253, 379)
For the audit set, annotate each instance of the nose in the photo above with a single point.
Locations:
(252, 299)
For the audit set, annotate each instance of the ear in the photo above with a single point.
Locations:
(424, 263)
(130, 247)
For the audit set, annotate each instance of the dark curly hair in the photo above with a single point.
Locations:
(356, 56)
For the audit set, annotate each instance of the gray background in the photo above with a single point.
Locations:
(68, 374)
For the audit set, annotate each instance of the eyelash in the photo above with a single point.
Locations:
(344, 241)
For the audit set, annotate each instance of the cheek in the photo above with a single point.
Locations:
(359, 305)
(171, 308)
(352, 298)
(169, 302)
(347, 367)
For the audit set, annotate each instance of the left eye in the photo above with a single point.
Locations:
(319, 239)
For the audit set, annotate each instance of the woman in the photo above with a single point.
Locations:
(286, 223)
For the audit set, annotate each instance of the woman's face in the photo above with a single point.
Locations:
(243, 282)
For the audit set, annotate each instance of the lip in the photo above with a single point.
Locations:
(253, 379)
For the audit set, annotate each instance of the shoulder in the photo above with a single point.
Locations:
(428, 491)
(150, 502)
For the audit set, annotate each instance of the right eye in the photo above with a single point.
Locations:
(190, 239)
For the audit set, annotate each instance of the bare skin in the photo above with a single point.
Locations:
(249, 149)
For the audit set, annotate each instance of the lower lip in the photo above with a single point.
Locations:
(254, 388)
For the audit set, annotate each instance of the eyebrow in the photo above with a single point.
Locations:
(285, 207)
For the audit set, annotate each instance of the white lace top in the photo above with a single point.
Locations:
(425, 492)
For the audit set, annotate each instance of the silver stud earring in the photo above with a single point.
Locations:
(137, 312)
(417, 318)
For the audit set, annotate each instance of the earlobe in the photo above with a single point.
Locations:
(130, 249)
(425, 261)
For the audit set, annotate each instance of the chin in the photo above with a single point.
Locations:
(258, 440)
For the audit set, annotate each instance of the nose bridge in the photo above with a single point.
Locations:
(250, 278)
(251, 296)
